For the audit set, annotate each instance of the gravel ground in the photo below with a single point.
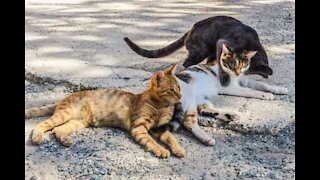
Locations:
(78, 44)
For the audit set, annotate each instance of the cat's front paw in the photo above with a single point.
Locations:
(66, 141)
(179, 152)
(161, 152)
(281, 91)
(210, 142)
(37, 137)
(267, 96)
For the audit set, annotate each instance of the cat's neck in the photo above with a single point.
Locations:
(154, 100)
(215, 68)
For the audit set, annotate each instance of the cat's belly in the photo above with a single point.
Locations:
(205, 86)
(110, 117)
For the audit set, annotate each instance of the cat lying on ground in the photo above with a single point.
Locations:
(199, 83)
(138, 114)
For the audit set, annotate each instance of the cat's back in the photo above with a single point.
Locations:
(100, 98)
(218, 21)
(112, 98)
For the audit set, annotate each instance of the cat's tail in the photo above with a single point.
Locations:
(158, 52)
(40, 111)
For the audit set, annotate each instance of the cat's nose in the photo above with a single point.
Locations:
(237, 72)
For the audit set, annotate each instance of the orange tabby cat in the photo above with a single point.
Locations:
(135, 113)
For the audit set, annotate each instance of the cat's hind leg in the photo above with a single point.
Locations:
(261, 86)
(62, 132)
(194, 57)
(168, 138)
(191, 123)
(245, 92)
(55, 120)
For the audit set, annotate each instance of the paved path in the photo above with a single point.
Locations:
(78, 44)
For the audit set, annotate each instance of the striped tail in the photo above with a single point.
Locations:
(158, 52)
(40, 111)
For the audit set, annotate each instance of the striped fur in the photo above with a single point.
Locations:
(40, 111)
(136, 113)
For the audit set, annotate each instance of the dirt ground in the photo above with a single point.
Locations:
(78, 44)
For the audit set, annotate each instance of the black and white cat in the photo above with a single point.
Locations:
(200, 83)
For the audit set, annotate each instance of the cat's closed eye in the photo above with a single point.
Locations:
(171, 90)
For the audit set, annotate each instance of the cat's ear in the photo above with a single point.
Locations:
(172, 69)
(157, 78)
(225, 49)
(221, 48)
(250, 54)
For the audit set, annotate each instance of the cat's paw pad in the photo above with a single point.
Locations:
(267, 96)
(210, 142)
(65, 141)
(37, 137)
(179, 152)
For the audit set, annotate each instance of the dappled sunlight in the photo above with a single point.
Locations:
(120, 6)
(58, 65)
(107, 59)
(77, 35)
(282, 49)
(54, 49)
(85, 38)
(95, 72)
(106, 26)
(35, 37)
(271, 1)
(50, 2)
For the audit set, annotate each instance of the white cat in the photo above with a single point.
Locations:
(199, 83)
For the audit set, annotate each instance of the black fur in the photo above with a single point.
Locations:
(178, 114)
(201, 40)
(196, 69)
(156, 53)
(224, 78)
(163, 128)
(175, 122)
(184, 77)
